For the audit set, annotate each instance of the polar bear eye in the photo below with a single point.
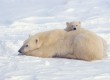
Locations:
(26, 45)
(36, 41)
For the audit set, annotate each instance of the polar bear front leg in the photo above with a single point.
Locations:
(38, 53)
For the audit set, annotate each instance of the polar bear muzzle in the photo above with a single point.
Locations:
(21, 51)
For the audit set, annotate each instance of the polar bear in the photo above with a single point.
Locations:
(80, 44)
(71, 26)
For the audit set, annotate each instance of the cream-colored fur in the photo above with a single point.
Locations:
(79, 44)
(76, 24)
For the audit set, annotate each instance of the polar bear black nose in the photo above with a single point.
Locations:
(74, 28)
(19, 51)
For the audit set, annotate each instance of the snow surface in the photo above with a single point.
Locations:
(19, 18)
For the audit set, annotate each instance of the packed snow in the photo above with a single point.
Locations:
(21, 18)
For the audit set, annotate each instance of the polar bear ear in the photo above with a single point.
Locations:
(79, 22)
(30, 35)
(38, 43)
(67, 23)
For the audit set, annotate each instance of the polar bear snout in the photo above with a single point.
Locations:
(74, 28)
(21, 51)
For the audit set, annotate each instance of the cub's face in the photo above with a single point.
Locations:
(29, 45)
(71, 26)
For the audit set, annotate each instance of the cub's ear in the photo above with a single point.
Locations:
(67, 23)
(38, 43)
(79, 22)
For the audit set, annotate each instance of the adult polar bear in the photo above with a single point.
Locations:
(80, 44)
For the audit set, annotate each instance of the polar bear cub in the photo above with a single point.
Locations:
(71, 26)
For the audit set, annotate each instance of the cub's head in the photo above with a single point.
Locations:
(32, 43)
(71, 26)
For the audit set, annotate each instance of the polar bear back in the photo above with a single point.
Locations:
(88, 46)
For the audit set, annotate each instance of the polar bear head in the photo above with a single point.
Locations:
(41, 41)
(32, 43)
(71, 26)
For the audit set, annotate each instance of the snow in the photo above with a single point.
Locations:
(21, 18)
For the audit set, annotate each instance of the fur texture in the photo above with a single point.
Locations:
(77, 25)
(80, 44)
(71, 26)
